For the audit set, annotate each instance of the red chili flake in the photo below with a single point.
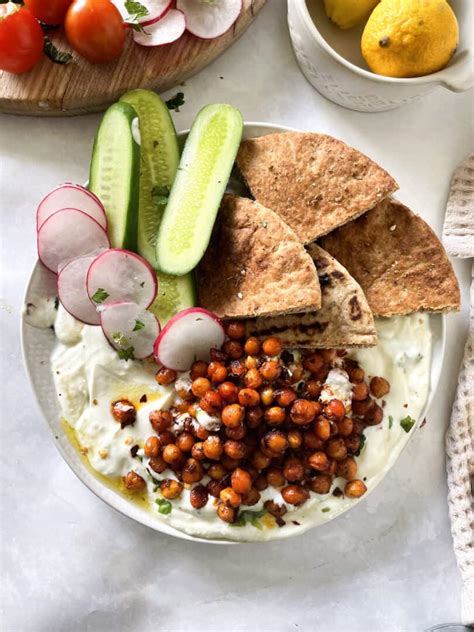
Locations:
(143, 399)
(134, 450)
(280, 522)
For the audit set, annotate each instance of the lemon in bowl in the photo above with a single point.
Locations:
(348, 13)
(410, 38)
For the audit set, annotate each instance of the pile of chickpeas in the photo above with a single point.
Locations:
(275, 431)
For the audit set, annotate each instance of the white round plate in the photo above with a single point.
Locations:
(38, 344)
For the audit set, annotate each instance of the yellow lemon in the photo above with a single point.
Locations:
(410, 38)
(348, 13)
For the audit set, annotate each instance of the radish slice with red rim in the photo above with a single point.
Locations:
(130, 329)
(209, 19)
(157, 9)
(67, 234)
(71, 196)
(165, 31)
(188, 336)
(72, 291)
(121, 275)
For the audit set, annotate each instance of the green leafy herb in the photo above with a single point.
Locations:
(164, 506)
(56, 303)
(138, 325)
(175, 102)
(326, 509)
(253, 517)
(361, 445)
(126, 354)
(160, 194)
(100, 295)
(407, 423)
(54, 54)
(136, 9)
(390, 422)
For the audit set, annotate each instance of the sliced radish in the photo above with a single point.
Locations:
(167, 30)
(71, 196)
(209, 19)
(121, 275)
(68, 234)
(188, 336)
(157, 9)
(130, 329)
(72, 290)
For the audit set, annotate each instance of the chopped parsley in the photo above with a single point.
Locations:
(175, 102)
(164, 506)
(326, 509)
(361, 445)
(126, 354)
(100, 295)
(54, 54)
(407, 423)
(252, 517)
(390, 422)
(138, 325)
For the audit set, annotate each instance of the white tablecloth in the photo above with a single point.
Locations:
(69, 563)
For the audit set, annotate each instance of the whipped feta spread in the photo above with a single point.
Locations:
(89, 376)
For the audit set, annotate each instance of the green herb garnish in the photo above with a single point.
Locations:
(126, 354)
(326, 509)
(100, 295)
(54, 54)
(138, 325)
(175, 102)
(253, 517)
(407, 423)
(361, 445)
(390, 422)
(164, 506)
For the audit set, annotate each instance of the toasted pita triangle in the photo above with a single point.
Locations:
(398, 261)
(344, 320)
(314, 182)
(255, 265)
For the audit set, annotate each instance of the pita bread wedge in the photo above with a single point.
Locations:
(344, 320)
(397, 260)
(313, 181)
(255, 265)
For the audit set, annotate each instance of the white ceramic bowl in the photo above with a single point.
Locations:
(38, 344)
(331, 60)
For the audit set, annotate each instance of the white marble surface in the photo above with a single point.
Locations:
(69, 563)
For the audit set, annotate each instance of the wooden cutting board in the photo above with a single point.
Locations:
(79, 87)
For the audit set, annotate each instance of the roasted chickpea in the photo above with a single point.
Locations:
(236, 433)
(165, 376)
(151, 447)
(160, 420)
(228, 392)
(312, 389)
(379, 387)
(166, 437)
(192, 471)
(234, 349)
(345, 426)
(217, 372)
(374, 415)
(270, 370)
(355, 489)
(252, 346)
(200, 386)
(355, 372)
(192, 409)
(241, 481)
(322, 428)
(200, 432)
(198, 369)
(218, 355)
(295, 494)
(274, 508)
(249, 397)
(359, 409)
(320, 483)
(230, 497)
(170, 488)
(275, 416)
(293, 470)
(297, 373)
(215, 487)
(211, 402)
(230, 463)
(311, 441)
(275, 441)
(347, 468)
(336, 449)
(285, 397)
(329, 355)
(272, 346)
(197, 451)
(226, 513)
(216, 471)
(358, 426)
(198, 497)
(318, 461)
(157, 464)
(352, 443)
(235, 449)
(237, 369)
(235, 329)
(172, 454)
(275, 476)
(313, 363)
(124, 412)
(233, 415)
(213, 447)
(254, 417)
(303, 412)
(295, 439)
(266, 395)
(134, 482)
(250, 362)
(360, 392)
(185, 441)
(260, 460)
(253, 379)
(251, 497)
(335, 409)
(261, 482)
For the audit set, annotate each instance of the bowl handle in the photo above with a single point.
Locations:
(462, 78)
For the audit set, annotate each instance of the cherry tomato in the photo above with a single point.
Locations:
(48, 11)
(21, 39)
(95, 29)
